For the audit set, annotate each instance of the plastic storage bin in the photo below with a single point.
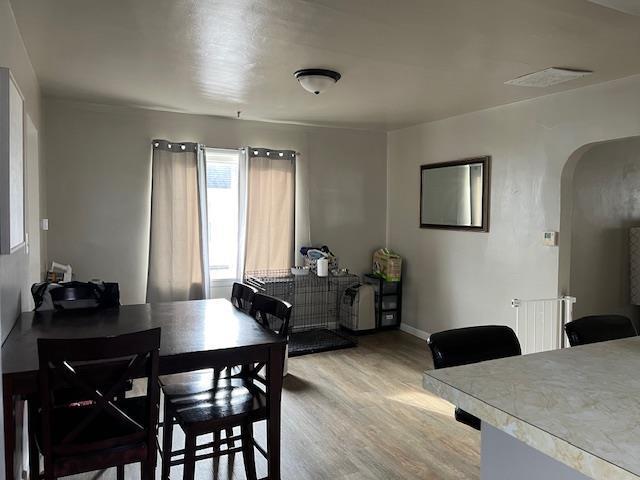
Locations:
(388, 301)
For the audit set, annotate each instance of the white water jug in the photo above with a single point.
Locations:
(323, 267)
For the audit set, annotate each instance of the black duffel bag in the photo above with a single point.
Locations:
(75, 295)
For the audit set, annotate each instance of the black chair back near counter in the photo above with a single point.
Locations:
(463, 346)
(242, 296)
(103, 432)
(599, 328)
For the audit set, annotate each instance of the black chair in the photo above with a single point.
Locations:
(77, 297)
(599, 328)
(242, 296)
(102, 432)
(203, 404)
(272, 313)
(463, 346)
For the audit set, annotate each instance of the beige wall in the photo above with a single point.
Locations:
(606, 202)
(455, 279)
(14, 275)
(98, 160)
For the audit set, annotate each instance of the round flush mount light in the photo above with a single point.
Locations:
(316, 80)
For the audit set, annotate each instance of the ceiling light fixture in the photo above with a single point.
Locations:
(316, 80)
(548, 77)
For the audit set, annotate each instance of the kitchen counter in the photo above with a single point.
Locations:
(580, 406)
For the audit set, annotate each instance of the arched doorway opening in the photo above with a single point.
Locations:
(600, 202)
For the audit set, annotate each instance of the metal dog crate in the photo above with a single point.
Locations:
(315, 325)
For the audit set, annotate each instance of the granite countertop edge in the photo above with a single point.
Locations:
(543, 441)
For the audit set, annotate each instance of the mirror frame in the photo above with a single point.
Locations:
(486, 193)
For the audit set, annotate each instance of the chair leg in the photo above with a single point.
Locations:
(248, 454)
(189, 456)
(229, 433)
(48, 468)
(120, 472)
(167, 443)
(216, 441)
(147, 470)
(34, 453)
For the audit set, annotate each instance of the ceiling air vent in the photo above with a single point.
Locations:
(548, 77)
(632, 7)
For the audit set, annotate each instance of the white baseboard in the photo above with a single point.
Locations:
(414, 331)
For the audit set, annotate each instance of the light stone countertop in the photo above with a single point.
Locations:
(578, 405)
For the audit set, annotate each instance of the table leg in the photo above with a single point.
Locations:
(274, 382)
(9, 420)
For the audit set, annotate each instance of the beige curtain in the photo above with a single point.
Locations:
(270, 210)
(176, 269)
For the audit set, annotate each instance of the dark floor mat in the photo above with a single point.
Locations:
(318, 340)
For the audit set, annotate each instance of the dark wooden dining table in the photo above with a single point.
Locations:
(195, 335)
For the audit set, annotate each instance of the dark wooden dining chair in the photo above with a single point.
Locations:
(463, 346)
(272, 313)
(103, 432)
(242, 296)
(75, 298)
(599, 328)
(202, 404)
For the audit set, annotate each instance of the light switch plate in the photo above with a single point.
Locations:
(550, 239)
(44, 224)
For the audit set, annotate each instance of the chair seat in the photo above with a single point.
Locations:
(104, 432)
(75, 464)
(199, 376)
(199, 399)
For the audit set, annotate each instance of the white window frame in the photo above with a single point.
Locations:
(228, 282)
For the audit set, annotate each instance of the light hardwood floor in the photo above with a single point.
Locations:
(361, 414)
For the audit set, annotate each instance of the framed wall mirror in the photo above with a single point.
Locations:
(455, 195)
(12, 205)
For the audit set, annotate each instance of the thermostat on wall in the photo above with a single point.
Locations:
(550, 239)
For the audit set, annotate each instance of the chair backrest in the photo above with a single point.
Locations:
(242, 296)
(100, 368)
(272, 313)
(462, 346)
(599, 328)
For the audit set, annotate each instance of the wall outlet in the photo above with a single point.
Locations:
(550, 239)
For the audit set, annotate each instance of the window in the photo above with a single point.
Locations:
(250, 212)
(223, 199)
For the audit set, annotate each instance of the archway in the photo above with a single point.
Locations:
(600, 201)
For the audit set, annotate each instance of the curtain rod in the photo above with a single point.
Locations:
(256, 150)
(174, 146)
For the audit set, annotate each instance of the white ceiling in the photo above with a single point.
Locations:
(402, 61)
